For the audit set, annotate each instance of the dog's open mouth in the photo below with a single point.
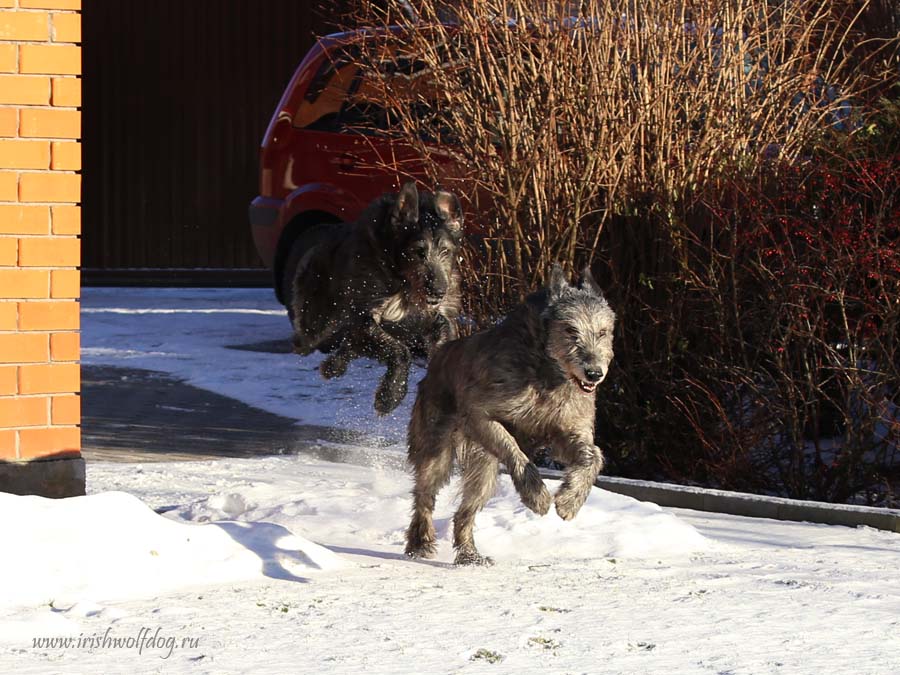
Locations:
(586, 387)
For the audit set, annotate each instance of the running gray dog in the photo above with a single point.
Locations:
(500, 395)
(386, 287)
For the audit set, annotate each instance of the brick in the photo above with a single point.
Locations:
(67, 27)
(8, 380)
(9, 186)
(34, 443)
(32, 26)
(65, 284)
(24, 89)
(19, 283)
(9, 58)
(24, 348)
(9, 251)
(55, 378)
(49, 315)
(49, 252)
(7, 3)
(50, 4)
(7, 442)
(9, 122)
(65, 156)
(66, 91)
(66, 219)
(51, 59)
(9, 315)
(50, 187)
(65, 409)
(49, 123)
(24, 412)
(65, 346)
(24, 154)
(22, 219)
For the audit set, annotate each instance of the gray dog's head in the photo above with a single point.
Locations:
(580, 327)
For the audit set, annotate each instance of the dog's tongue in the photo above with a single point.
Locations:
(586, 387)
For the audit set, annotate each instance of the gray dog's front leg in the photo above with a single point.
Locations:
(585, 462)
(495, 439)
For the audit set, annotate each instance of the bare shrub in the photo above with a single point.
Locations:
(553, 116)
(669, 143)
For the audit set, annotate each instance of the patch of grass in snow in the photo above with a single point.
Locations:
(486, 655)
(545, 643)
(642, 646)
(554, 610)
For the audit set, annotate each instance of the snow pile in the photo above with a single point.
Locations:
(358, 509)
(112, 546)
(609, 525)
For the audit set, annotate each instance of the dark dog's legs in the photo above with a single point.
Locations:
(478, 483)
(370, 339)
(443, 330)
(335, 364)
(378, 344)
(584, 462)
(495, 439)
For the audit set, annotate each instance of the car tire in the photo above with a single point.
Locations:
(288, 273)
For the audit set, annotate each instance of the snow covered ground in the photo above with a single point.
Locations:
(294, 565)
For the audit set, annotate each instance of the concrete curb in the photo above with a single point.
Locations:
(743, 504)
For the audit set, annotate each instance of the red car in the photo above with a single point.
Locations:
(316, 164)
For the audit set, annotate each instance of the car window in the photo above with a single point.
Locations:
(321, 105)
(345, 97)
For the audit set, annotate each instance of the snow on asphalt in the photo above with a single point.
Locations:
(293, 564)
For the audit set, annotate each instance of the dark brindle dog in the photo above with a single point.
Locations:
(384, 287)
(500, 395)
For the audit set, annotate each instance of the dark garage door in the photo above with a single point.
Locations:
(177, 95)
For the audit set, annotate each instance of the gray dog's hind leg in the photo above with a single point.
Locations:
(478, 483)
(585, 463)
(432, 473)
(495, 439)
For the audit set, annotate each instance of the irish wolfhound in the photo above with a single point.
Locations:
(503, 393)
(381, 287)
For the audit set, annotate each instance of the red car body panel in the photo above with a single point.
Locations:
(309, 176)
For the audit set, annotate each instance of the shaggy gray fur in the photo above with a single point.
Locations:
(500, 395)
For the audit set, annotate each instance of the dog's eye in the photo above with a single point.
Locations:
(572, 331)
(601, 334)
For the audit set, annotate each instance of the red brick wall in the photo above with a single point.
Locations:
(40, 224)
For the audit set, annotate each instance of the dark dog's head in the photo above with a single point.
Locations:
(580, 327)
(422, 232)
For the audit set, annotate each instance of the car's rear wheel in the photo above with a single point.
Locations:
(289, 272)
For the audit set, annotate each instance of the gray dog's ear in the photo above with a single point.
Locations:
(588, 283)
(448, 208)
(558, 283)
(406, 208)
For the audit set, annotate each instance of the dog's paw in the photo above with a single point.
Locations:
(334, 366)
(442, 331)
(469, 556)
(389, 395)
(569, 502)
(533, 492)
(424, 550)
